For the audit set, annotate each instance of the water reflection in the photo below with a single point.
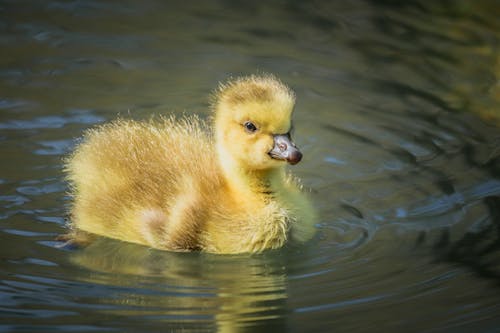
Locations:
(243, 291)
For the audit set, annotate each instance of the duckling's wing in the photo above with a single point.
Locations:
(126, 167)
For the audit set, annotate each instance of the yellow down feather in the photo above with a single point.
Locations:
(182, 185)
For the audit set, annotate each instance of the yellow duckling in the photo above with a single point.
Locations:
(173, 184)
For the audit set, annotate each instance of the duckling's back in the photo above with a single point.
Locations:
(129, 177)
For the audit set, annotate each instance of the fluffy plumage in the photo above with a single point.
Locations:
(175, 184)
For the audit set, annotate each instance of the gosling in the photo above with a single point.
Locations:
(181, 185)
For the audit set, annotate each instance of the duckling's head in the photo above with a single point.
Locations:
(253, 123)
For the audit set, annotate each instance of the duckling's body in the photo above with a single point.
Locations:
(174, 185)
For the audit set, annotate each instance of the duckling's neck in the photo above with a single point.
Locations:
(245, 183)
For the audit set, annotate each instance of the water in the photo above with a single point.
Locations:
(397, 115)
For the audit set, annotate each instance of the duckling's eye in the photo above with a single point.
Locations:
(250, 127)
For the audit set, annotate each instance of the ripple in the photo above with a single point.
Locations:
(54, 147)
(41, 190)
(47, 122)
(13, 200)
(6, 103)
(334, 160)
(349, 303)
(27, 233)
(34, 261)
(53, 328)
(34, 313)
(51, 219)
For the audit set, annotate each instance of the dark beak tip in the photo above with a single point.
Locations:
(295, 157)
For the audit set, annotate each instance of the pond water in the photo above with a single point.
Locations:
(398, 117)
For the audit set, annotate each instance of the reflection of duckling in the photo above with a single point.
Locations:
(170, 185)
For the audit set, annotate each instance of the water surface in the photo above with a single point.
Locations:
(398, 118)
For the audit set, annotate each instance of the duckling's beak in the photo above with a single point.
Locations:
(284, 149)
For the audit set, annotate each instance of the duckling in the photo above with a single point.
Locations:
(183, 185)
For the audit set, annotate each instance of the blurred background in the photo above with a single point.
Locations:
(398, 115)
